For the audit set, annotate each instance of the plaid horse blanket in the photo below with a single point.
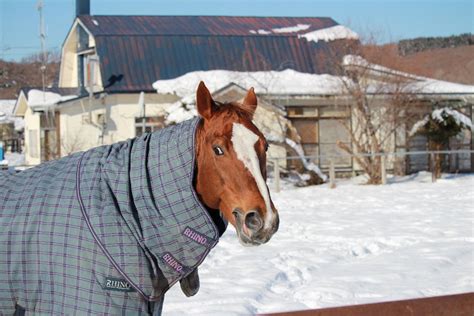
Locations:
(107, 231)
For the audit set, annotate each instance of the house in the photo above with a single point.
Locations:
(321, 108)
(114, 68)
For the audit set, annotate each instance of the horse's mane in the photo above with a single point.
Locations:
(234, 107)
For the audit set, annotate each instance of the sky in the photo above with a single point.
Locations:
(387, 20)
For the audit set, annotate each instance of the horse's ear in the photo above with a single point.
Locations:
(250, 101)
(204, 102)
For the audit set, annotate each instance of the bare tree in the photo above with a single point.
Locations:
(378, 110)
(73, 143)
(380, 100)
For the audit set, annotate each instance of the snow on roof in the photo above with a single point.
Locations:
(293, 82)
(292, 29)
(260, 31)
(6, 114)
(39, 99)
(418, 85)
(265, 82)
(330, 34)
(429, 85)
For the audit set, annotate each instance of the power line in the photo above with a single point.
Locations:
(13, 48)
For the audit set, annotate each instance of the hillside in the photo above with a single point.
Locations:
(16, 75)
(454, 64)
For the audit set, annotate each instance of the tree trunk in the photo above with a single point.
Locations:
(438, 161)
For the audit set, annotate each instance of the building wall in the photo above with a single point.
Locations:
(68, 70)
(81, 131)
(32, 137)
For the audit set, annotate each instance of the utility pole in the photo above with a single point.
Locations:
(42, 35)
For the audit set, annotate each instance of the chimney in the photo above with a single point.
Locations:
(83, 7)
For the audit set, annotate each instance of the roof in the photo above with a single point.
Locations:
(136, 51)
(110, 25)
(284, 82)
(34, 98)
(415, 84)
(57, 90)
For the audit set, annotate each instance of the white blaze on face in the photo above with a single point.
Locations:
(244, 141)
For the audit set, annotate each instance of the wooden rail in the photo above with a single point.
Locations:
(450, 305)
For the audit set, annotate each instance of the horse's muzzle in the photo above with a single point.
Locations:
(251, 229)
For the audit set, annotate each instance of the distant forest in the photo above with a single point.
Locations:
(27, 73)
(416, 45)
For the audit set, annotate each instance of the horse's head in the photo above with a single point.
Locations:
(231, 167)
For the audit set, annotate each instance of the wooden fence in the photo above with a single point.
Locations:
(450, 305)
(383, 160)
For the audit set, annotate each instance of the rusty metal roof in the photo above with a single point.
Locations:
(100, 25)
(135, 51)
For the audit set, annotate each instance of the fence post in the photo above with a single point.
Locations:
(276, 174)
(433, 168)
(332, 175)
(383, 169)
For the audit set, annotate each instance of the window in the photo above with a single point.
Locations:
(33, 142)
(91, 71)
(333, 131)
(302, 111)
(151, 123)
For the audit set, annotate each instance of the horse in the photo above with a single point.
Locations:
(111, 229)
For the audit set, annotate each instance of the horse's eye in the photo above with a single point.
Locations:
(218, 151)
(266, 146)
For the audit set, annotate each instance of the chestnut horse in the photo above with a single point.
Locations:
(231, 167)
(231, 171)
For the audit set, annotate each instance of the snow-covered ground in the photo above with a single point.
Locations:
(14, 159)
(349, 245)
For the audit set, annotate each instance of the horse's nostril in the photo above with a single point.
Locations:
(237, 212)
(253, 221)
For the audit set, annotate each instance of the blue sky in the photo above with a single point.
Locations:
(388, 20)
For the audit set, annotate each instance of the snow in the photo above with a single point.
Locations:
(269, 82)
(260, 31)
(438, 86)
(293, 82)
(419, 84)
(418, 126)
(39, 99)
(330, 34)
(179, 112)
(292, 29)
(6, 114)
(308, 165)
(14, 159)
(459, 118)
(350, 245)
